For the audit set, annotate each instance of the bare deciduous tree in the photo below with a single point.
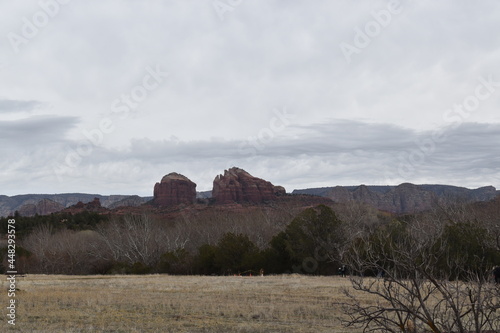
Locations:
(136, 238)
(358, 220)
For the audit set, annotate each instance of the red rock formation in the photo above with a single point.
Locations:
(94, 205)
(279, 190)
(174, 189)
(91, 206)
(237, 185)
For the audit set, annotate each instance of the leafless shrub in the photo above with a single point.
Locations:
(422, 285)
(64, 251)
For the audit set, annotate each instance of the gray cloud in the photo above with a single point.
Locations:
(13, 105)
(338, 152)
(35, 131)
(315, 139)
(320, 155)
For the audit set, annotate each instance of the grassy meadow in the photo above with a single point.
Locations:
(163, 303)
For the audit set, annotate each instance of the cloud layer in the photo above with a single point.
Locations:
(110, 96)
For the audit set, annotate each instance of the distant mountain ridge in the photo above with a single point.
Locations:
(43, 204)
(403, 198)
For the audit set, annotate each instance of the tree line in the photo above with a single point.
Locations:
(215, 242)
(317, 240)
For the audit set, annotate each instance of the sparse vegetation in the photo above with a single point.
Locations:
(190, 304)
(433, 276)
(427, 272)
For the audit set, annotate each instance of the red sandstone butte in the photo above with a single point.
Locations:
(237, 185)
(174, 189)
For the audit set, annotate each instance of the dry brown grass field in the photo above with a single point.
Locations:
(163, 303)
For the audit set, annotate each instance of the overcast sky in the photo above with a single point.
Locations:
(109, 96)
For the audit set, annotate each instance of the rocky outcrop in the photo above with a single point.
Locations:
(279, 190)
(237, 185)
(43, 207)
(174, 189)
(91, 206)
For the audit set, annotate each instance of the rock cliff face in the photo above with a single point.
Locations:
(174, 189)
(403, 198)
(407, 198)
(237, 185)
(43, 207)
